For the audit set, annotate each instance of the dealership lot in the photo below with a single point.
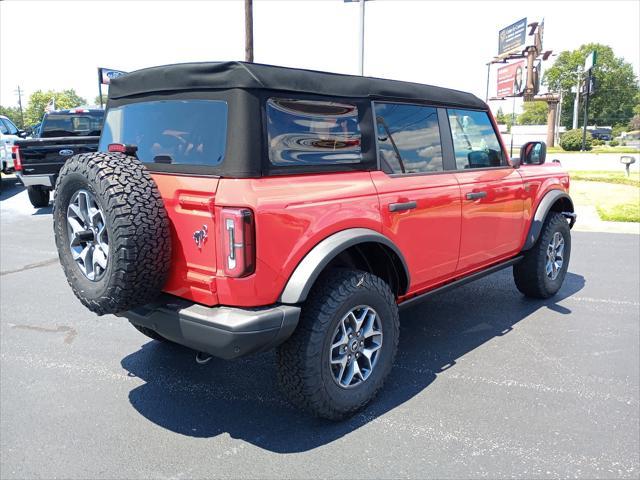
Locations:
(486, 383)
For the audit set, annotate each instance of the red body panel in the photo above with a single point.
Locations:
(429, 235)
(190, 204)
(491, 226)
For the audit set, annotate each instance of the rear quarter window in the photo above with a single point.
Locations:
(175, 132)
(312, 133)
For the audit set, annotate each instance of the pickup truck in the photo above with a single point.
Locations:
(63, 133)
(236, 207)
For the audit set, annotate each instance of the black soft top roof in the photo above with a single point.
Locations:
(225, 75)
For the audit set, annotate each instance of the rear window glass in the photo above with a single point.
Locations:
(309, 132)
(72, 124)
(177, 132)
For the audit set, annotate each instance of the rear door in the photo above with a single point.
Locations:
(492, 192)
(418, 190)
(174, 138)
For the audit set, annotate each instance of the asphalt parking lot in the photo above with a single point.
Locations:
(486, 383)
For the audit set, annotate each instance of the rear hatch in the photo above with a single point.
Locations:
(174, 139)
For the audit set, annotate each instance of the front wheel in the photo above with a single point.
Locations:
(343, 349)
(541, 272)
(39, 196)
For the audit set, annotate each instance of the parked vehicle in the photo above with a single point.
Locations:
(62, 133)
(236, 207)
(9, 133)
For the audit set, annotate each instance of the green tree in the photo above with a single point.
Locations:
(14, 115)
(500, 116)
(39, 100)
(534, 113)
(97, 99)
(616, 85)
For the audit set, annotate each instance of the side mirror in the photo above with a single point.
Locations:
(23, 133)
(533, 153)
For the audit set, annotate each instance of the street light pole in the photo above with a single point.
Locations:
(361, 53)
(248, 30)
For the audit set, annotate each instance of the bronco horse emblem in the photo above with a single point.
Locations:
(200, 236)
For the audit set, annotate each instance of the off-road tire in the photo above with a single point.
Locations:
(39, 196)
(529, 274)
(304, 373)
(137, 227)
(152, 334)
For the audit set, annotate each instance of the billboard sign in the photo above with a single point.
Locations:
(513, 37)
(511, 79)
(105, 75)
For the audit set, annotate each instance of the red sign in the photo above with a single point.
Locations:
(511, 79)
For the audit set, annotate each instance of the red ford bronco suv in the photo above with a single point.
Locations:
(235, 207)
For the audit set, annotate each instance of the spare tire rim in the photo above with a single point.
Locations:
(355, 346)
(555, 256)
(88, 237)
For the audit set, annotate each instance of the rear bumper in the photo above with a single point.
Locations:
(224, 332)
(33, 180)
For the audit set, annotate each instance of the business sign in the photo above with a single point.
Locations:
(513, 37)
(590, 61)
(105, 75)
(511, 79)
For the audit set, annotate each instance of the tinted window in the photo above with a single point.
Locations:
(72, 124)
(179, 132)
(474, 140)
(3, 128)
(408, 138)
(11, 128)
(306, 132)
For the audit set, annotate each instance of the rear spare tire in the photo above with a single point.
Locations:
(111, 230)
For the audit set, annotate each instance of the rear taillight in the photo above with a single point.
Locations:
(237, 237)
(17, 161)
(122, 148)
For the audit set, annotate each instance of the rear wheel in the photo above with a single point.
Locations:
(343, 349)
(39, 196)
(541, 272)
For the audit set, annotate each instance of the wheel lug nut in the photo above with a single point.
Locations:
(357, 355)
(362, 344)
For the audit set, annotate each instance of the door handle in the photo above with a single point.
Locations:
(400, 207)
(476, 195)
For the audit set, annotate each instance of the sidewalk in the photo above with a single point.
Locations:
(589, 221)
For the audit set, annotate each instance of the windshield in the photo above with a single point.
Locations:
(191, 132)
(86, 124)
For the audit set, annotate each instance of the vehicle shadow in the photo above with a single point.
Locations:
(10, 186)
(44, 210)
(241, 397)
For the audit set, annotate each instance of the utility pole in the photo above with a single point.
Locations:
(589, 63)
(20, 105)
(576, 104)
(248, 30)
(586, 111)
(361, 54)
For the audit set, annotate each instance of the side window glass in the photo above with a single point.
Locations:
(3, 128)
(11, 128)
(310, 132)
(474, 140)
(408, 138)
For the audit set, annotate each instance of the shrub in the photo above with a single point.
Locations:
(596, 142)
(614, 143)
(571, 140)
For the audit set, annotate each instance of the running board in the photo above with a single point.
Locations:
(457, 283)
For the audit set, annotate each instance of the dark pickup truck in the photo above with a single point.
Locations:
(62, 133)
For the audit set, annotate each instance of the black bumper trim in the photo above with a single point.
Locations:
(224, 332)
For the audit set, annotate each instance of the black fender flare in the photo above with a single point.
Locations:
(310, 267)
(549, 199)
